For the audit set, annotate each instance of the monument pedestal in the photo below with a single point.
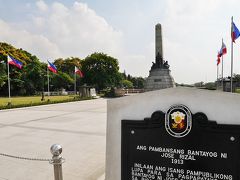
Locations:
(159, 79)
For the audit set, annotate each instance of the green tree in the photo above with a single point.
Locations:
(3, 74)
(17, 76)
(138, 82)
(199, 84)
(101, 71)
(61, 80)
(33, 74)
(68, 65)
(236, 77)
(127, 84)
(210, 85)
(124, 75)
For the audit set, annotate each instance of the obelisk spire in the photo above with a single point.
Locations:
(158, 43)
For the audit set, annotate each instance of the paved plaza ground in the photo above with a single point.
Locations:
(80, 127)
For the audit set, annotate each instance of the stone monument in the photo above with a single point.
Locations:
(159, 75)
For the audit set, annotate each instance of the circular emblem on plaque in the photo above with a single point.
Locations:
(178, 121)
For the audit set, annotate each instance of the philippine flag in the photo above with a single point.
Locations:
(218, 60)
(52, 67)
(235, 32)
(15, 62)
(77, 71)
(223, 50)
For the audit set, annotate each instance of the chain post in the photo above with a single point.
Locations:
(57, 161)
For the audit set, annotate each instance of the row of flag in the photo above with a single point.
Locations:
(51, 66)
(235, 34)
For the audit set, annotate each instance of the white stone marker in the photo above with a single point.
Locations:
(222, 107)
(93, 92)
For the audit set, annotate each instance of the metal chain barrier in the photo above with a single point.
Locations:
(25, 158)
(56, 160)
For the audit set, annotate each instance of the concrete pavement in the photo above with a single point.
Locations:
(80, 127)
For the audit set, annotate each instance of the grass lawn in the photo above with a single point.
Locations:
(32, 100)
(237, 90)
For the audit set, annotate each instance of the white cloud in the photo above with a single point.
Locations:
(77, 30)
(185, 26)
(36, 44)
(63, 32)
(39, 22)
(42, 6)
(28, 5)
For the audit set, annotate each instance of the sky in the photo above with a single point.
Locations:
(192, 32)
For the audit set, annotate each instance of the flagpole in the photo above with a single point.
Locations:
(9, 91)
(75, 86)
(217, 78)
(231, 59)
(48, 84)
(222, 66)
